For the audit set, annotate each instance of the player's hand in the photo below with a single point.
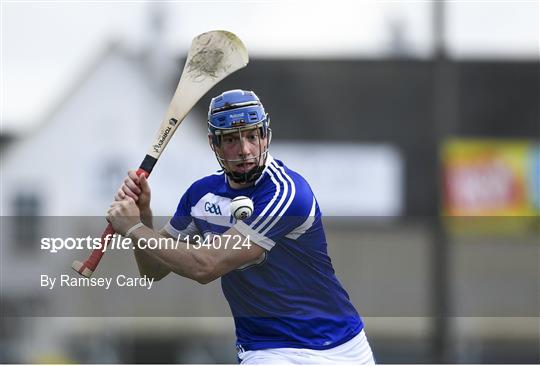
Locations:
(122, 215)
(137, 188)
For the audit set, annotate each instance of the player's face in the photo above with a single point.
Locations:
(242, 150)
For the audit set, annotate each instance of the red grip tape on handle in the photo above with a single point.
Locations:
(142, 172)
(92, 261)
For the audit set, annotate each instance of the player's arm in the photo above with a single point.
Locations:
(150, 266)
(133, 201)
(201, 264)
(234, 250)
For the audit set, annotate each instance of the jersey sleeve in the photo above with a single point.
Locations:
(279, 211)
(182, 224)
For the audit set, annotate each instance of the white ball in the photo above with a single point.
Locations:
(241, 207)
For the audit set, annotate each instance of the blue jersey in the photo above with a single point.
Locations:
(290, 296)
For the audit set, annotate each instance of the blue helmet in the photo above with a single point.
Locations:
(235, 111)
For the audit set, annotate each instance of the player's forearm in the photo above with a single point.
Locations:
(168, 255)
(149, 266)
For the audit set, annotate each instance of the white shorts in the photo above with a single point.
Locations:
(354, 351)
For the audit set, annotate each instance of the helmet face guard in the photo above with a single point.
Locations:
(232, 115)
(258, 161)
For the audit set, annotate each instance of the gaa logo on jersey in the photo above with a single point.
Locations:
(212, 208)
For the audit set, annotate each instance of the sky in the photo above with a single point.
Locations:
(46, 45)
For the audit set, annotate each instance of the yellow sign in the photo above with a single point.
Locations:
(488, 178)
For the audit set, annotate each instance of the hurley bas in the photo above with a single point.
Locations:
(121, 281)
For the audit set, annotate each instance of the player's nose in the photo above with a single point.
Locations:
(244, 147)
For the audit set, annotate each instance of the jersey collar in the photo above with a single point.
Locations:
(269, 160)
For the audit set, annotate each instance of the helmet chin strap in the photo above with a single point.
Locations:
(247, 177)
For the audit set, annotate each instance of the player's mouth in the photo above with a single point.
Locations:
(244, 166)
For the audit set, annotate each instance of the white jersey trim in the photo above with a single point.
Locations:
(254, 236)
(279, 205)
(191, 229)
(275, 172)
(304, 227)
(269, 205)
(291, 198)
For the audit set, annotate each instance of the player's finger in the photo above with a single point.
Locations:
(129, 192)
(132, 185)
(134, 177)
(143, 184)
(120, 195)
